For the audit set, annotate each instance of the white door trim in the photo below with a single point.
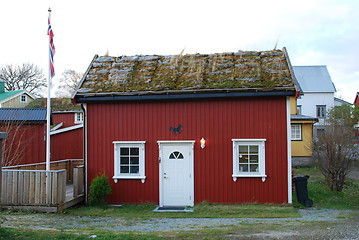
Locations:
(191, 144)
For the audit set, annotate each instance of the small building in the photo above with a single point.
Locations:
(67, 135)
(26, 128)
(339, 102)
(67, 129)
(14, 99)
(179, 130)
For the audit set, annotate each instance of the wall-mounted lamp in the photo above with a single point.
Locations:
(203, 143)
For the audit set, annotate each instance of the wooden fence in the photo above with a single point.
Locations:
(67, 164)
(79, 180)
(28, 187)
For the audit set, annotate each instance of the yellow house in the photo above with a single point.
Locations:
(14, 99)
(301, 136)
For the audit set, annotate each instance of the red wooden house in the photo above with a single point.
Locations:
(67, 129)
(179, 130)
(67, 136)
(26, 128)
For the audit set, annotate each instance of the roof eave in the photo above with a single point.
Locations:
(184, 95)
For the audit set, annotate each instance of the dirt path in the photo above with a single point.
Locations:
(354, 173)
(313, 224)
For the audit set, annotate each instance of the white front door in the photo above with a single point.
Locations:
(176, 173)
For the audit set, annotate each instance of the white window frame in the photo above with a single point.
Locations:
(296, 132)
(25, 98)
(261, 158)
(79, 117)
(321, 111)
(299, 109)
(130, 144)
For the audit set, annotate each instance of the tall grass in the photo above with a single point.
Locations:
(321, 195)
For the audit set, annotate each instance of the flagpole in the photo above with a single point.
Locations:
(48, 111)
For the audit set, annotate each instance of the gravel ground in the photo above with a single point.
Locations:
(354, 173)
(313, 224)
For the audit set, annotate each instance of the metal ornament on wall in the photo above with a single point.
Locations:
(177, 130)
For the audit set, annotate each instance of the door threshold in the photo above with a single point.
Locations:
(173, 209)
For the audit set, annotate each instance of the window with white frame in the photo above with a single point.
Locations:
(23, 98)
(79, 117)
(129, 160)
(296, 132)
(321, 111)
(249, 158)
(299, 109)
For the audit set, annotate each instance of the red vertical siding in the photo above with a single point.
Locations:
(68, 119)
(67, 145)
(218, 121)
(25, 144)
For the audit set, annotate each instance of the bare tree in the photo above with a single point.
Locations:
(335, 149)
(69, 81)
(17, 142)
(27, 76)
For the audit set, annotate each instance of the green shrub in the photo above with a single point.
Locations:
(99, 189)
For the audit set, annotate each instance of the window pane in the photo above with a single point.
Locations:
(124, 169)
(253, 149)
(243, 158)
(176, 155)
(243, 149)
(134, 160)
(124, 151)
(124, 160)
(134, 151)
(253, 158)
(254, 167)
(243, 167)
(296, 132)
(134, 169)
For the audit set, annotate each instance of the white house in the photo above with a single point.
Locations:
(317, 93)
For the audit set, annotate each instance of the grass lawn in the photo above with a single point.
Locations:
(203, 210)
(322, 197)
(317, 189)
(20, 234)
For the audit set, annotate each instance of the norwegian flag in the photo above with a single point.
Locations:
(51, 47)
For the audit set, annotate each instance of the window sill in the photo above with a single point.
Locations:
(242, 176)
(116, 178)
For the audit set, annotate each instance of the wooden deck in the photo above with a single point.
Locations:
(41, 190)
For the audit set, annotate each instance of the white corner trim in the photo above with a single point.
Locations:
(66, 129)
(289, 152)
(57, 126)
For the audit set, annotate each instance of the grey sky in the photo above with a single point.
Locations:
(315, 32)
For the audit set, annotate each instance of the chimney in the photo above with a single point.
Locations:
(2, 86)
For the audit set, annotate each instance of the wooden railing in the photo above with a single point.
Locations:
(79, 178)
(67, 164)
(29, 187)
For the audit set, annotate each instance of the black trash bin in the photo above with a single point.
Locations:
(301, 189)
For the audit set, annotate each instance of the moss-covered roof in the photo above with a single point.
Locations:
(57, 104)
(153, 74)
